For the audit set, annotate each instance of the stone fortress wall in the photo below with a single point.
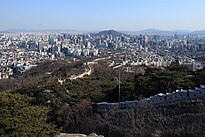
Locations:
(160, 100)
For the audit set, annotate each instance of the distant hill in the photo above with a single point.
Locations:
(200, 32)
(153, 32)
(109, 32)
(38, 30)
(147, 32)
(4, 32)
(159, 32)
(112, 32)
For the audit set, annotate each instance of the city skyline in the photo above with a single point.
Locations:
(91, 15)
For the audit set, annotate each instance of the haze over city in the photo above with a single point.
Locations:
(95, 15)
(102, 68)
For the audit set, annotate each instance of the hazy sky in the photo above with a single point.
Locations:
(102, 14)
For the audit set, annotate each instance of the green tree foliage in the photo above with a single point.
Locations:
(76, 118)
(67, 110)
(18, 118)
(199, 77)
(163, 81)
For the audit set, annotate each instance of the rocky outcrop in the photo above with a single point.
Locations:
(78, 135)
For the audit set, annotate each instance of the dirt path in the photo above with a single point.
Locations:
(88, 69)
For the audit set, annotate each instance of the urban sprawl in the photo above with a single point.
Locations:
(21, 51)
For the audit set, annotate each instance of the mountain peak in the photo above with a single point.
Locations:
(110, 32)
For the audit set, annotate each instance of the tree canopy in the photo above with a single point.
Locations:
(19, 118)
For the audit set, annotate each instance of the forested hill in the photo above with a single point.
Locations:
(102, 85)
(66, 102)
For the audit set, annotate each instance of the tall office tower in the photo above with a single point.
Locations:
(42, 45)
(80, 40)
(88, 44)
(32, 45)
(66, 36)
(51, 40)
(146, 39)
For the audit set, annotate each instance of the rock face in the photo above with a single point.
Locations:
(78, 135)
(94, 135)
(71, 135)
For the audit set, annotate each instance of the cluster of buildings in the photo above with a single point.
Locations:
(21, 51)
(161, 51)
(190, 63)
(142, 59)
(18, 61)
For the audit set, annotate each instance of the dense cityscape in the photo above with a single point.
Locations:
(102, 68)
(21, 51)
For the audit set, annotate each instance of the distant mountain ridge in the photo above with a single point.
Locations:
(166, 32)
(200, 32)
(158, 32)
(149, 32)
(44, 30)
(113, 32)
